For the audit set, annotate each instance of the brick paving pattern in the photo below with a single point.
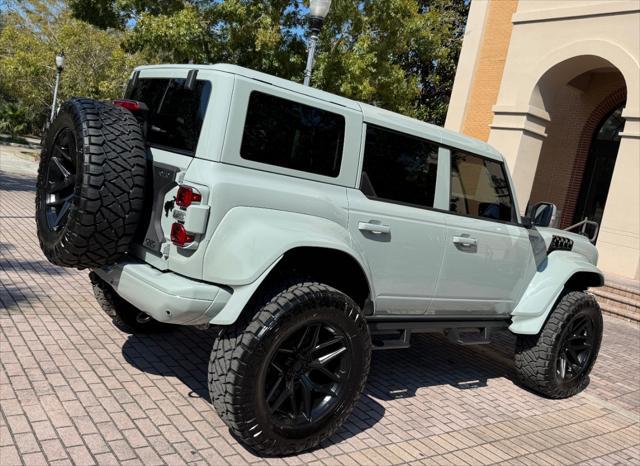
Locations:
(74, 389)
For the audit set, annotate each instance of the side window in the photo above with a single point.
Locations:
(292, 135)
(399, 168)
(479, 188)
(175, 113)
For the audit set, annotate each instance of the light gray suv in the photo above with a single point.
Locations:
(309, 229)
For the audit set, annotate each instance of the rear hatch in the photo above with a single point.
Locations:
(172, 118)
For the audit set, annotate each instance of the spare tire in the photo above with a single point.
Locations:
(90, 190)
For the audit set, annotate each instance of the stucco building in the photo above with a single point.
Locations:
(555, 86)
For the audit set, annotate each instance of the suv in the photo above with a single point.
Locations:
(308, 229)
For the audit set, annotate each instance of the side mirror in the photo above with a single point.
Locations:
(543, 214)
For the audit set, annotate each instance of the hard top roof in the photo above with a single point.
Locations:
(371, 114)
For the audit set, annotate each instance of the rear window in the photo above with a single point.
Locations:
(292, 135)
(175, 113)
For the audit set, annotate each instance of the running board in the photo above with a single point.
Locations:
(481, 336)
(396, 334)
(385, 340)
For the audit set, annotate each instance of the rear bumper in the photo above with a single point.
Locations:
(165, 296)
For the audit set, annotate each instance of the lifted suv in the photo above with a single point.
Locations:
(310, 229)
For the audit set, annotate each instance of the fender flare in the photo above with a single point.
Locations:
(250, 241)
(545, 288)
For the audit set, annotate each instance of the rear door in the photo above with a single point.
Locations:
(487, 253)
(392, 222)
(174, 122)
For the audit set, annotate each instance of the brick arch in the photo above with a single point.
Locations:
(609, 104)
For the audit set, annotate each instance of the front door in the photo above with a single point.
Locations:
(488, 257)
(391, 223)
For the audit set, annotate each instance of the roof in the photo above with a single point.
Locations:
(371, 114)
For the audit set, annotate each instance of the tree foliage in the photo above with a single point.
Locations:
(33, 33)
(398, 54)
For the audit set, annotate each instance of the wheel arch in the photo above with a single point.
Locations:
(253, 245)
(580, 281)
(331, 266)
(562, 272)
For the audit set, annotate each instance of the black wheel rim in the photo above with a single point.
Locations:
(576, 349)
(306, 376)
(60, 180)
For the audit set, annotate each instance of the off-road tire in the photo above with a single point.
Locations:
(124, 314)
(108, 192)
(241, 350)
(536, 355)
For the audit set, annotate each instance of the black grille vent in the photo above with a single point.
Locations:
(560, 243)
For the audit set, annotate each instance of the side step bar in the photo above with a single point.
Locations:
(396, 334)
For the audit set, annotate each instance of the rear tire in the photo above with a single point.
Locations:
(269, 377)
(556, 363)
(90, 190)
(125, 315)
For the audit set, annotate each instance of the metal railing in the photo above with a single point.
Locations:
(582, 228)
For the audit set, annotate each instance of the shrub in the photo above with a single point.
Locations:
(14, 119)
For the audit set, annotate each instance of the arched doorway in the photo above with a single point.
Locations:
(577, 157)
(598, 170)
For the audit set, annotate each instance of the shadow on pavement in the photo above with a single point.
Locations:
(38, 266)
(17, 183)
(398, 374)
(11, 296)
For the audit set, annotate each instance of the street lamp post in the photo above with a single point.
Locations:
(318, 10)
(59, 68)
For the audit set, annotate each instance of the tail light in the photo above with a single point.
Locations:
(179, 235)
(132, 105)
(187, 196)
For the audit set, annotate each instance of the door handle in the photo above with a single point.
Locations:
(465, 241)
(375, 228)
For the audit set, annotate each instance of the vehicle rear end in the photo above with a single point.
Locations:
(182, 113)
(197, 156)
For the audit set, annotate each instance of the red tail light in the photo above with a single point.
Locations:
(132, 105)
(179, 235)
(187, 196)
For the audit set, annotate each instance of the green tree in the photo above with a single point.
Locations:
(34, 32)
(398, 54)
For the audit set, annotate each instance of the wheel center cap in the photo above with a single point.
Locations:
(298, 367)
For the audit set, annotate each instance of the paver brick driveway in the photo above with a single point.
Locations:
(75, 389)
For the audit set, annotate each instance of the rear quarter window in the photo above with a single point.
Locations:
(289, 134)
(175, 113)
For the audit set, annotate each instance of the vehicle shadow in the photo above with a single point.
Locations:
(432, 360)
(17, 183)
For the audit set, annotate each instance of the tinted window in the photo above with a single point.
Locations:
(399, 167)
(292, 135)
(479, 188)
(175, 113)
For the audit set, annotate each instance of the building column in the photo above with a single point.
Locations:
(518, 133)
(619, 238)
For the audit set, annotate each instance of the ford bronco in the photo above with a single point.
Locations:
(308, 229)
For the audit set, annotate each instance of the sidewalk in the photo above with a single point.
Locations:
(74, 389)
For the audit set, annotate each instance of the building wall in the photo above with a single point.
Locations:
(488, 70)
(531, 50)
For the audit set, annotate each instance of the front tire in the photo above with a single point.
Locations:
(287, 377)
(556, 363)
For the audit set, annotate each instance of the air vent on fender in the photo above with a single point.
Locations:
(560, 243)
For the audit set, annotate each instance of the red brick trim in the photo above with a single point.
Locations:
(610, 103)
